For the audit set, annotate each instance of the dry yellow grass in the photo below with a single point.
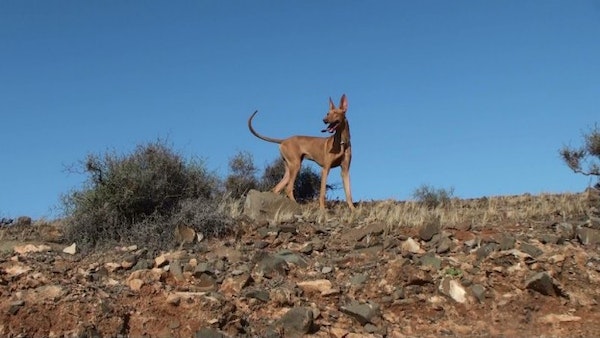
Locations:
(522, 210)
(480, 212)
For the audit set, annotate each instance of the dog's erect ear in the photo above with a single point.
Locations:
(331, 105)
(344, 103)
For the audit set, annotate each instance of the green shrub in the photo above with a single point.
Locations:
(135, 198)
(433, 197)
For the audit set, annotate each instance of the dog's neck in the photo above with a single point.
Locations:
(342, 135)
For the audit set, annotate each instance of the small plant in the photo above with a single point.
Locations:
(433, 197)
(453, 272)
(585, 159)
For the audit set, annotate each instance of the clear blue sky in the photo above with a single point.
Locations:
(475, 95)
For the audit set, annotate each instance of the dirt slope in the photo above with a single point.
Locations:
(326, 280)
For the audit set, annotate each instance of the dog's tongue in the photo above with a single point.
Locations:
(330, 128)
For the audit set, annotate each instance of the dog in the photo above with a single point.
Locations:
(327, 152)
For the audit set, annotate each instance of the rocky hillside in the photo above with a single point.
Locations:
(326, 276)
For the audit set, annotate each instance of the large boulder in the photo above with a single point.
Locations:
(270, 207)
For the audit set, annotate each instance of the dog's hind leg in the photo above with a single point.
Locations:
(284, 180)
(293, 167)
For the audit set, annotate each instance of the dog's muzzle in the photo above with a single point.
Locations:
(331, 127)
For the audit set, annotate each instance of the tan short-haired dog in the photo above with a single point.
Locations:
(328, 152)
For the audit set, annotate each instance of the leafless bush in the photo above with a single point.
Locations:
(433, 197)
(242, 176)
(585, 159)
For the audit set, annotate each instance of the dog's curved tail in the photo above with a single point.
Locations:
(262, 137)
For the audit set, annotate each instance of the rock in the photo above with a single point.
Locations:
(233, 285)
(416, 276)
(453, 289)
(27, 248)
(530, 249)
(411, 246)
(565, 230)
(16, 269)
(354, 235)
(399, 293)
(176, 270)
(338, 332)
(292, 258)
(143, 264)
(205, 282)
(112, 266)
(364, 313)
(161, 260)
(507, 242)
(486, 250)
(271, 207)
(543, 283)
(15, 307)
(45, 293)
(588, 236)
(209, 333)
(444, 245)
(318, 245)
(370, 328)
(173, 299)
(471, 243)
(322, 286)
(326, 269)
(288, 228)
(202, 267)
(129, 262)
(550, 239)
(281, 296)
(270, 266)
(358, 279)
(552, 318)
(429, 259)
(478, 291)
(149, 276)
(227, 253)
(463, 226)
(593, 222)
(135, 284)
(184, 234)
(71, 249)
(297, 322)
(306, 249)
(428, 230)
(261, 295)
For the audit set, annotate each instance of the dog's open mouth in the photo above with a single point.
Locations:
(331, 127)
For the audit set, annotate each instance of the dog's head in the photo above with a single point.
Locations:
(336, 117)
